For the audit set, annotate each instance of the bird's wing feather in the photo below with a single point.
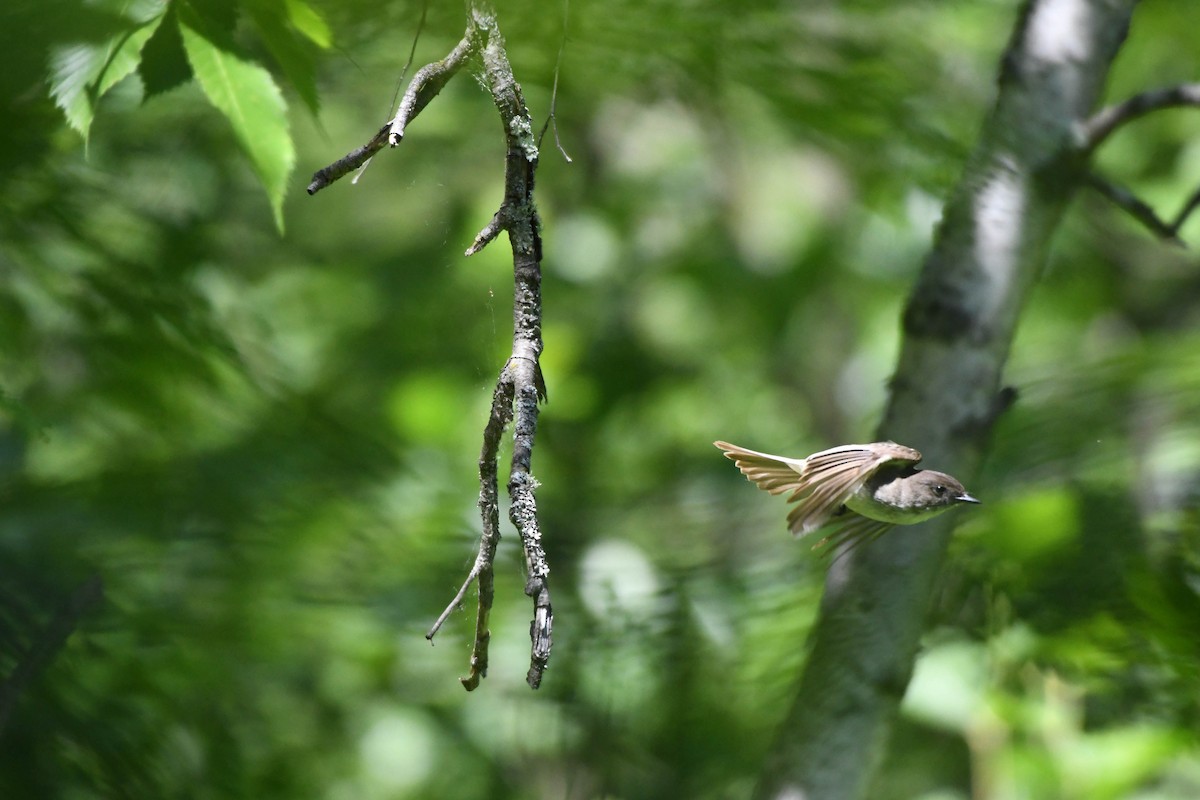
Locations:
(855, 531)
(822, 495)
(831, 476)
(775, 474)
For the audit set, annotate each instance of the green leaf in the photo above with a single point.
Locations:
(248, 96)
(164, 64)
(287, 49)
(82, 72)
(310, 23)
(217, 17)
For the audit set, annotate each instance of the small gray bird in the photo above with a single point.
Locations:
(874, 485)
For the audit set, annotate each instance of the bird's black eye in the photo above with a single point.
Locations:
(939, 490)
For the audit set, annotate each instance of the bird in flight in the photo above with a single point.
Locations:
(865, 488)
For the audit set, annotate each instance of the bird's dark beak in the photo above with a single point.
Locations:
(966, 498)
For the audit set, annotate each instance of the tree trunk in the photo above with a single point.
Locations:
(957, 331)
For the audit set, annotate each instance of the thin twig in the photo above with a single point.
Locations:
(1136, 208)
(425, 86)
(552, 120)
(1191, 205)
(1103, 123)
(1093, 131)
(489, 511)
(412, 53)
(454, 604)
(349, 162)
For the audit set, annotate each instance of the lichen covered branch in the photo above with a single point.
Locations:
(489, 510)
(520, 386)
(518, 217)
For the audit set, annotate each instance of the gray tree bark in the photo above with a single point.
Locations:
(957, 331)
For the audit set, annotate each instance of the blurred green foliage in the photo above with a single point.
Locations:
(265, 445)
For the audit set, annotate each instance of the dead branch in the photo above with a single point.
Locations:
(349, 162)
(1136, 207)
(519, 387)
(1094, 130)
(425, 85)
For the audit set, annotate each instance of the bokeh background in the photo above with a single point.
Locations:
(264, 444)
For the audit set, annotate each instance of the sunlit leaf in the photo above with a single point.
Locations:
(247, 95)
(310, 23)
(287, 50)
(82, 72)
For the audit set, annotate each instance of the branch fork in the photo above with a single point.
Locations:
(1092, 132)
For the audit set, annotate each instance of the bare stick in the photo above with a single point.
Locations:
(455, 603)
(1138, 209)
(425, 86)
(489, 511)
(429, 80)
(486, 235)
(1102, 124)
(349, 162)
(1185, 212)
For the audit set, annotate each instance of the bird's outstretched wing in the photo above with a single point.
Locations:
(821, 483)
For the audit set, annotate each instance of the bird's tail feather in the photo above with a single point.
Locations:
(775, 474)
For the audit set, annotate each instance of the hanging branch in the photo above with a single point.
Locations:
(520, 386)
(1092, 132)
